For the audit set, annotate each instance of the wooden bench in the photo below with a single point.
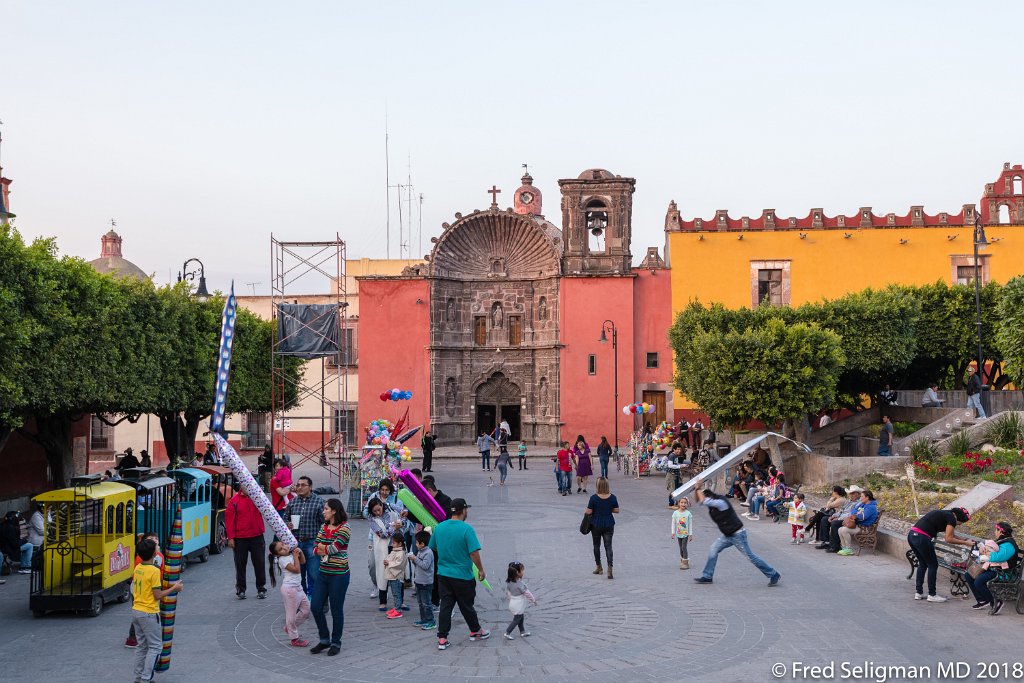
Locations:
(952, 557)
(1008, 586)
(782, 503)
(867, 536)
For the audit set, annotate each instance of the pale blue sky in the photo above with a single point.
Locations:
(203, 126)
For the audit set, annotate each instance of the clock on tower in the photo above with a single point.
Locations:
(527, 198)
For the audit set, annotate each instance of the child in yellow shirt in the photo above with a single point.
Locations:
(146, 596)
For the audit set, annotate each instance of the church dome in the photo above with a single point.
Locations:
(596, 174)
(497, 244)
(111, 262)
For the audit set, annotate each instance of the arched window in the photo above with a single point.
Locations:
(1018, 185)
(1003, 217)
(119, 519)
(110, 520)
(597, 226)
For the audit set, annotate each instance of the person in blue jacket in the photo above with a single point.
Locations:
(1006, 554)
(864, 513)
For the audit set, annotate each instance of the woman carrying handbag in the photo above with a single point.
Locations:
(600, 509)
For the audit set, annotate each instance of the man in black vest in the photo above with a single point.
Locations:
(733, 534)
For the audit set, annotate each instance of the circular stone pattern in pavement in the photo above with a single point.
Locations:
(659, 633)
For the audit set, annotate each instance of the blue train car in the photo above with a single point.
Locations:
(154, 501)
(193, 492)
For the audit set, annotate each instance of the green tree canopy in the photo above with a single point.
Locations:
(1009, 332)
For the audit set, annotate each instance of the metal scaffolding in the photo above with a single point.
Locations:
(303, 272)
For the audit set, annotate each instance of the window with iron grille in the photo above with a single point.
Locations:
(101, 435)
(769, 286)
(257, 427)
(344, 423)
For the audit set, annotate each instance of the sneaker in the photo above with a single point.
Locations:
(131, 642)
(937, 598)
(919, 596)
(418, 623)
(793, 542)
(240, 595)
(525, 634)
(261, 595)
(745, 504)
(430, 625)
(774, 581)
(318, 648)
(443, 644)
(754, 517)
(395, 614)
(383, 608)
(845, 552)
(745, 514)
(334, 649)
(406, 608)
(980, 605)
(374, 594)
(703, 579)
(997, 608)
(480, 635)
(24, 571)
(298, 642)
(508, 636)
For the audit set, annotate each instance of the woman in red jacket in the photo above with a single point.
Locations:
(245, 536)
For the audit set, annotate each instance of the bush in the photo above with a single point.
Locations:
(924, 450)
(1006, 431)
(902, 429)
(959, 444)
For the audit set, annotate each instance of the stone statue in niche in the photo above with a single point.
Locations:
(449, 396)
(450, 311)
(497, 316)
(542, 309)
(544, 396)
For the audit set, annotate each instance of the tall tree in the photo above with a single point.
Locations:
(1009, 332)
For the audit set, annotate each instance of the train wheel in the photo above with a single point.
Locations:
(205, 555)
(221, 539)
(125, 593)
(97, 606)
(39, 613)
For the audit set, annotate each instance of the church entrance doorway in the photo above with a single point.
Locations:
(496, 399)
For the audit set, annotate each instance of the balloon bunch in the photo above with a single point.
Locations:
(663, 435)
(379, 432)
(396, 395)
(637, 408)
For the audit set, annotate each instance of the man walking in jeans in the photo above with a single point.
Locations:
(974, 386)
(457, 549)
(733, 534)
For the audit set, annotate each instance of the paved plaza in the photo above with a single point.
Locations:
(651, 622)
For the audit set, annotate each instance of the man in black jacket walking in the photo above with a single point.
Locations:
(427, 443)
(733, 534)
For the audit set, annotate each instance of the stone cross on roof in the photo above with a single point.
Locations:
(494, 192)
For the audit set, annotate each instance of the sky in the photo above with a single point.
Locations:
(204, 127)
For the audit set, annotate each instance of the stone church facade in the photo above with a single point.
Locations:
(498, 334)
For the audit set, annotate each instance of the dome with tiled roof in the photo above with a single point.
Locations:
(111, 262)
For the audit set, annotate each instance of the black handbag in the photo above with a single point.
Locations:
(585, 525)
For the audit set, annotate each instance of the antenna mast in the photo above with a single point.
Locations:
(421, 227)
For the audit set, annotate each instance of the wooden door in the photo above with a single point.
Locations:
(656, 399)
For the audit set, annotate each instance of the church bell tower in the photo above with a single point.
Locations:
(597, 223)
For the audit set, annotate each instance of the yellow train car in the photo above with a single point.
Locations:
(89, 547)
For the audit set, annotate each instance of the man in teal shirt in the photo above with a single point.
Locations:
(458, 550)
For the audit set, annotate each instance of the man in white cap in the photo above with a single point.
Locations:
(836, 520)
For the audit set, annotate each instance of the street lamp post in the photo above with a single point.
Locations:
(190, 275)
(608, 324)
(979, 243)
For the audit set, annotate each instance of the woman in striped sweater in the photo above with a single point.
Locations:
(331, 545)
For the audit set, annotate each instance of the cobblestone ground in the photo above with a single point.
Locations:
(651, 622)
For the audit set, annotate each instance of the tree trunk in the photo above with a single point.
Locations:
(53, 434)
(5, 433)
(173, 433)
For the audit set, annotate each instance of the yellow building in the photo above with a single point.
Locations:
(790, 261)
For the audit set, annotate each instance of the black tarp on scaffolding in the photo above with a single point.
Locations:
(307, 330)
